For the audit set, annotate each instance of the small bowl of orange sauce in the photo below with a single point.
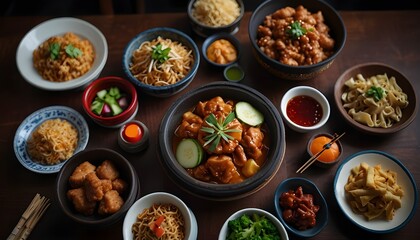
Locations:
(331, 155)
(304, 109)
(221, 50)
(133, 136)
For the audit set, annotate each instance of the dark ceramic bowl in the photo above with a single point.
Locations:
(96, 157)
(89, 94)
(236, 92)
(149, 35)
(284, 71)
(205, 31)
(367, 70)
(213, 38)
(307, 187)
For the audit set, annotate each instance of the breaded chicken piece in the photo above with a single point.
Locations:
(80, 202)
(107, 170)
(110, 203)
(93, 187)
(119, 185)
(78, 176)
(106, 185)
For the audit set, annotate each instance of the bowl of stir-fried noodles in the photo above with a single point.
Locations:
(161, 61)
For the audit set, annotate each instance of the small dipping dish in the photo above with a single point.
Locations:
(221, 50)
(234, 73)
(304, 109)
(330, 156)
(133, 136)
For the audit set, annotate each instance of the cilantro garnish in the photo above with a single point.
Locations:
(296, 30)
(160, 54)
(73, 51)
(54, 50)
(376, 92)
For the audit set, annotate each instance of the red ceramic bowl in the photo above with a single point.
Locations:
(125, 86)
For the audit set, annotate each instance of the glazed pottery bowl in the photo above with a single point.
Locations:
(235, 92)
(303, 72)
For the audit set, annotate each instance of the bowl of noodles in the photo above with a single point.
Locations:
(208, 17)
(161, 61)
(296, 39)
(47, 138)
(62, 54)
(375, 98)
(160, 215)
(222, 141)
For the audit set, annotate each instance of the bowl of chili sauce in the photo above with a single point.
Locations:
(304, 109)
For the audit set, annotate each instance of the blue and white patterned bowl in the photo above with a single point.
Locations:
(31, 122)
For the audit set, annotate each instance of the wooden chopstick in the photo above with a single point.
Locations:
(314, 157)
(30, 217)
(34, 219)
(28, 212)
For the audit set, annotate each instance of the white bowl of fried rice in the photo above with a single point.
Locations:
(144, 214)
(58, 42)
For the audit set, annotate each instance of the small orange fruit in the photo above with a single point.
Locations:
(329, 155)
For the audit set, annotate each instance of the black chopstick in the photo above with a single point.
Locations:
(314, 157)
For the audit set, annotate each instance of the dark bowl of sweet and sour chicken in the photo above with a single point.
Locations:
(222, 141)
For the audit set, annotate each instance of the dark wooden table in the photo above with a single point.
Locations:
(391, 37)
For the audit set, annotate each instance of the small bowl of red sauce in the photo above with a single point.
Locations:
(330, 155)
(304, 109)
(301, 207)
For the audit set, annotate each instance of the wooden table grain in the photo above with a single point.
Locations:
(390, 37)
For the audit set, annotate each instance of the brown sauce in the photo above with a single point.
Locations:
(237, 176)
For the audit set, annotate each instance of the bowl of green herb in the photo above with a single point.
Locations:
(375, 98)
(222, 155)
(252, 222)
(296, 39)
(161, 61)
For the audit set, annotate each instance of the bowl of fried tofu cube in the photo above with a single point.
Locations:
(96, 187)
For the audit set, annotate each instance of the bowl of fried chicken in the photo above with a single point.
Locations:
(222, 141)
(96, 187)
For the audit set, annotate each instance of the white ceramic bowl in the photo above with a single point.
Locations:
(249, 211)
(54, 27)
(305, 91)
(409, 201)
(191, 226)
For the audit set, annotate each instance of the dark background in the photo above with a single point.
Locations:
(89, 7)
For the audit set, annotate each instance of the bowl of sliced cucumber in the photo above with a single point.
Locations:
(110, 101)
(222, 141)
